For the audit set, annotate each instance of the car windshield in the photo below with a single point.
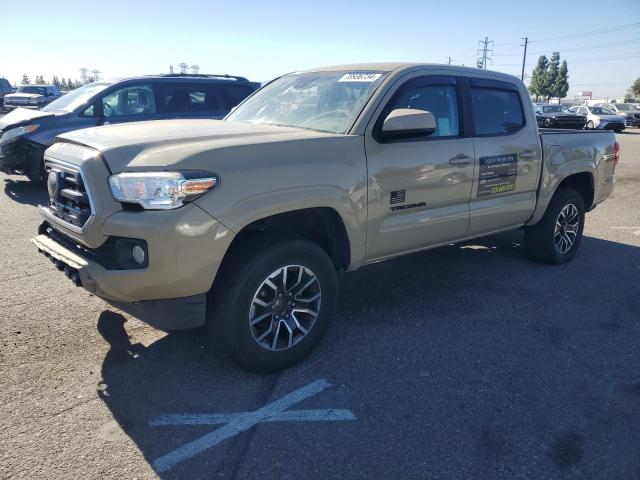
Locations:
(601, 111)
(322, 101)
(32, 89)
(554, 108)
(626, 107)
(75, 98)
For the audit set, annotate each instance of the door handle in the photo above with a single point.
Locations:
(460, 159)
(528, 154)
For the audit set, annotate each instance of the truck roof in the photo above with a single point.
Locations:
(407, 66)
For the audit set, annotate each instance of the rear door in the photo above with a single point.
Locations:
(419, 187)
(189, 100)
(232, 94)
(508, 156)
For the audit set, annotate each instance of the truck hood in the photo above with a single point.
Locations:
(21, 116)
(166, 144)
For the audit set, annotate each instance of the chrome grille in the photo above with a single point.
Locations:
(69, 198)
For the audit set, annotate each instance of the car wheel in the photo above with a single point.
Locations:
(590, 125)
(546, 123)
(272, 303)
(556, 237)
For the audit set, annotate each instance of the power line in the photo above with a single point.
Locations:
(524, 57)
(600, 31)
(590, 60)
(482, 61)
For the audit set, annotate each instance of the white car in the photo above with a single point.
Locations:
(601, 118)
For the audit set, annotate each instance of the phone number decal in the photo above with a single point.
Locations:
(498, 174)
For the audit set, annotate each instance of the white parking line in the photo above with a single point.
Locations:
(637, 229)
(234, 423)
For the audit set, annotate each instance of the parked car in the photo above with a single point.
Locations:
(31, 96)
(5, 89)
(558, 116)
(600, 117)
(241, 224)
(25, 134)
(629, 111)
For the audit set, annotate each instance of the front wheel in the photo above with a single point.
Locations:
(272, 303)
(556, 237)
(590, 125)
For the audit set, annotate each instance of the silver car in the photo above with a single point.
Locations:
(601, 118)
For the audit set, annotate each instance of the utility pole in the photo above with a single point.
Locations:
(486, 51)
(449, 62)
(524, 57)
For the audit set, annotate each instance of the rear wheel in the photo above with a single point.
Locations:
(272, 303)
(590, 125)
(556, 237)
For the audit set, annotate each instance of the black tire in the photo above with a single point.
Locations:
(232, 296)
(589, 125)
(540, 239)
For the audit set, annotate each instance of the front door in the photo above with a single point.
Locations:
(419, 188)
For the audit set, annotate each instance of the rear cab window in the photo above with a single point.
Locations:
(497, 108)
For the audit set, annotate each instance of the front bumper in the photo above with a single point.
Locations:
(632, 122)
(185, 249)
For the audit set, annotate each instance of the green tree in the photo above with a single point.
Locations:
(561, 85)
(39, 80)
(55, 81)
(539, 85)
(25, 79)
(63, 84)
(554, 65)
(635, 88)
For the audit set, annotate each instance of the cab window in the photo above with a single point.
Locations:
(133, 100)
(440, 100)
(496, 111)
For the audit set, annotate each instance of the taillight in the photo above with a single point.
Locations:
(616, 149)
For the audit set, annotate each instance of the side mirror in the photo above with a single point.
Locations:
(407, 123)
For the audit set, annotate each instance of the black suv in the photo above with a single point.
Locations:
(5, 89)
(26, 134)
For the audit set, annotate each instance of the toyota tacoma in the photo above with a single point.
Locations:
(241, 224)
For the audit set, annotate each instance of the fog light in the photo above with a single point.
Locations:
(137, 252)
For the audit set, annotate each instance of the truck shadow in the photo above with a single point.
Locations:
(26, 191)
(474, 314)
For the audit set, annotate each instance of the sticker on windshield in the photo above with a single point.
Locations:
(360, 77)
(497, 174)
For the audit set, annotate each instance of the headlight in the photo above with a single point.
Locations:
(16, 132)
(160, 190)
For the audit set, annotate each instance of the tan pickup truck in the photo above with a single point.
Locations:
(242, 224)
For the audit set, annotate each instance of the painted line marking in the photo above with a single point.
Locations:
(637, 230)
(235, 423)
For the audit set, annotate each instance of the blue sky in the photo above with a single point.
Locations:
(263, 39)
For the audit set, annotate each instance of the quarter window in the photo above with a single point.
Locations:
(496, 112)
(440, 100)
(134, 100)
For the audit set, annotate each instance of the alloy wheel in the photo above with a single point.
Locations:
(566, 229)
(285, 307)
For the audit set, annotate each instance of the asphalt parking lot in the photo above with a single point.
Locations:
(463, 362)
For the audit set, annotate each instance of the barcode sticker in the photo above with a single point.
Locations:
(360, 77)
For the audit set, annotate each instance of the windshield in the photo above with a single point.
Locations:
(32, 89)
(323, 101)
(626, 107)
(75, 98)
(554, 108)
(601, 111)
